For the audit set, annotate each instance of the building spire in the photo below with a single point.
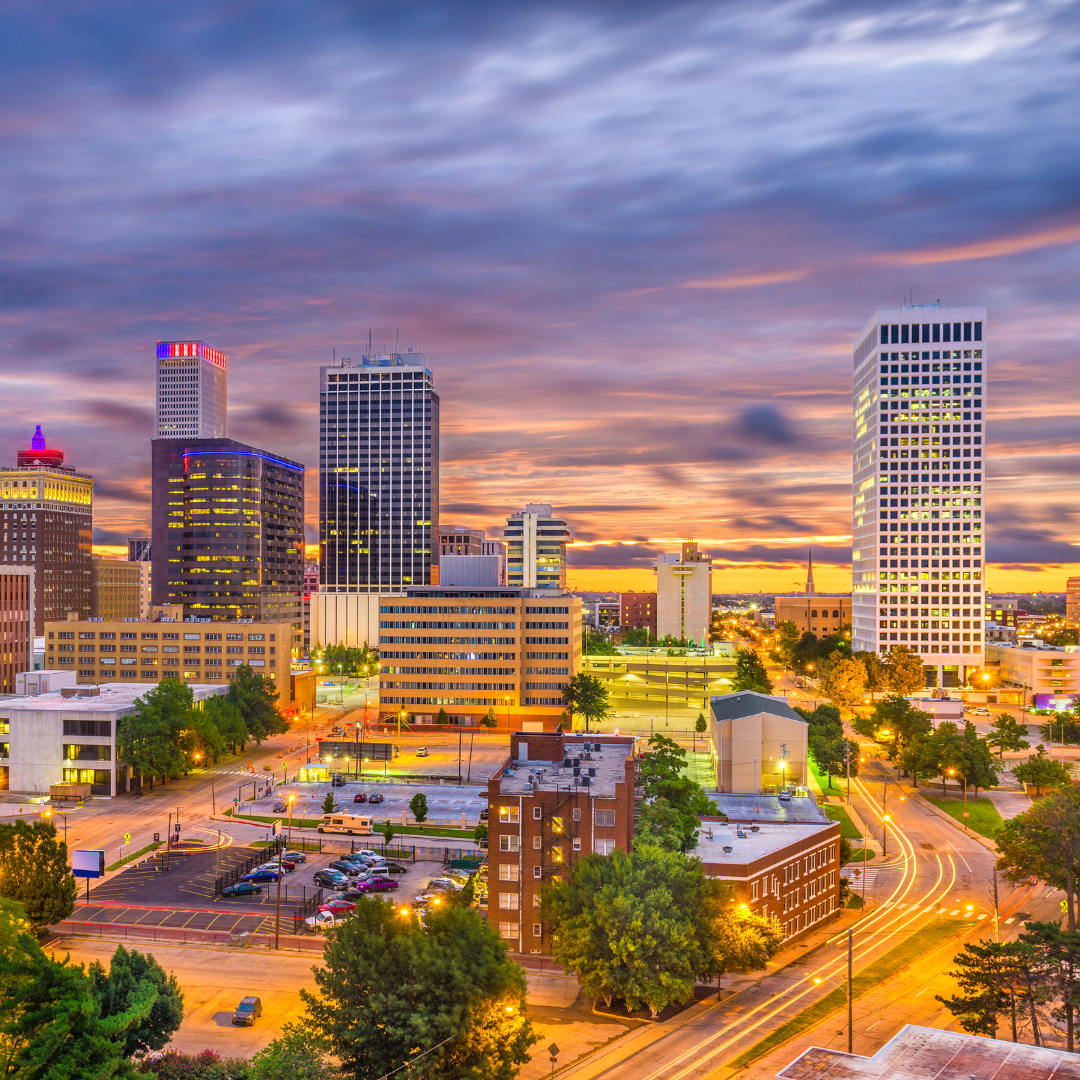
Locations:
(809, 571)
(38, 441)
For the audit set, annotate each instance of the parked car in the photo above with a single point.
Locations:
(393, 868)
(261, 874)
(325, 920)
(484, 814)
(444, 884)
(426, 898)
(375, 797)
(241, 888)
(331, 879)
(296, 856)
(279, 808)
(360, 796)
(376, 883)
(423, 752)
(272, 864)
(337, 905)
(348, 868)
(338, 781)
(785, 796)
(458, 875)
(246, 1012)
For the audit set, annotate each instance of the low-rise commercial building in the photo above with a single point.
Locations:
(69, 736)
(638, 611)
(819, 613)
(556, 798)
(759, 743)
(781, 870)
(1038, 670)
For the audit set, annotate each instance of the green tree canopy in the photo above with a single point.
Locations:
(1063, 728)
(599, 644)
(489, 720)
(418, 807)
(664, 760)
(443, 718)
(895, 724)
(750, 673)
(701, 725)
(1040, 770)
(990, 977)
(976, 764)
(1006, 733)
(328, 803)
(346, 659)
(296, 1054)
(875, 672)
(640, 637)
(34, 871)
(843, 680)
(587, 696)
(904, 670)
(156, 738)
(834, 755)
(941, 752)
(446, 998)
(256, 698)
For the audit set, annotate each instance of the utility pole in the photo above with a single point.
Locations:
(849, 961)
(168, 842)
(459, 755)
(997, 934)
(847, 766)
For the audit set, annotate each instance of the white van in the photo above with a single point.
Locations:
(346, 823)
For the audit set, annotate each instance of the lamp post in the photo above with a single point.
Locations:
(952, 772)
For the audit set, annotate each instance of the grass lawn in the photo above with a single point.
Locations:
(838, 783)
(847, 826)
(885, 967)
(983, 816)
(860, 855)
(134, 855)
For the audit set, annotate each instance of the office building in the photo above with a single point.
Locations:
(474, 571)
(1039, 669)
(138, 549)
(311, 586)
(68, 735)
(191, 391)
(637, 611)
(115, 589)
(602, 615)
(228, 531)
(759, 743)
(1072, 602)
(918, 487)
(684, 594)
(536, 548)
(471, 650)
(788, 871)
(555, 799)
(47, 511)
(16, 624)
(379, 475)
(460, 540)
(168, 646)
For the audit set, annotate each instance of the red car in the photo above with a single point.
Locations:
(360, 796)
(338, 907)
(375, 883)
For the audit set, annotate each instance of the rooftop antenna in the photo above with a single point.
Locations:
(335, 357)
(397, 334)
(369, 341)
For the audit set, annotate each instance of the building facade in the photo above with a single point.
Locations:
(918, 492)
(471, 650)
(536, 543)
(474, 571)
(638, 611)
(556, 798)
(460, 540)
(167, 646)
(191, 391)
(47, 512)
(138, 549)
(115, 589)
(759, 744)
(820, 613)
(228, 531)
(16, 624)
(1039, 670)
(311, 587)
(379, 475)
(684, 594)
(1072, 602)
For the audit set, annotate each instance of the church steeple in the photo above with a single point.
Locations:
(810, 572)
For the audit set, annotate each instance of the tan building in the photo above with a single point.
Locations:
(165, 646)
(470, 650)
(115, 589)
(684, 594)
(1042, 670)
(1072, 602)
(555, 799)
(759, 743)
(820, 613)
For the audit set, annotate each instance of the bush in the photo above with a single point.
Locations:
(206, 1065)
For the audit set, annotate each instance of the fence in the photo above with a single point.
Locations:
(168, 935)
(305, 910)
(231, 877)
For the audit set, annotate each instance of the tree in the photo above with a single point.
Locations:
(207, 739)
(664, 761)
(904, 670)
(941, 752)
(744, 941)
(155, 739)
(391, 991)
(843, 681)
(834, 755)
(787, 638)
(895, 724)
(976, 764)
(701, 725)
(480, 832)
(587, 696)
(1063, 728)
(876, 674)
(442, 719)
(1057, 970)
(329, 803)
(640, 637)
(489, 720)
(1041, 771)
(660, 823)
(597, 644)
(124, 985)
(256, 697)
(34, 871)
(387, 831)
(1007, 734)
(418, 807)
(750, 673)
(990, 981)
(296, 1054)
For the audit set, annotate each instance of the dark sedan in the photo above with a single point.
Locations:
(349, 868)
(241, 888)
(375, 797)
(393, 868)
(331, 879)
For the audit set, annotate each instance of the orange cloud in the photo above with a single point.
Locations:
(745, 281)
(988, 249)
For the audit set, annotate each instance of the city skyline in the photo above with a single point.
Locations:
(605, 229)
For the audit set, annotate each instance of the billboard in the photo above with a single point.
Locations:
(88, 864)
(1056, 702)
(369, 751)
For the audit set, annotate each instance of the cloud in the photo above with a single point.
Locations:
(767, 423)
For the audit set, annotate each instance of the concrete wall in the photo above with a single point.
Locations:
(748, 753)
(345, 619)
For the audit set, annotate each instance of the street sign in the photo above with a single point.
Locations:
(965, 813)
(127, 838)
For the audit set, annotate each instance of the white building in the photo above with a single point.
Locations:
(1042, 669)
(918, 486)
(70, 735)
(474, 571)
(536, 548)
(684, 594)
(191, 391)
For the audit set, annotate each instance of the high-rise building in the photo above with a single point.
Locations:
(918, 487)
(115, 588)
(227, 531)
(138, 549)
(16, 624)
(379, 475)
(684, 594)
(536, 548)
(311, 585)
(1072, 602)
(191, 391)
(47, 510)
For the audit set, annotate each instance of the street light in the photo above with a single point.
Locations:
(952, 772)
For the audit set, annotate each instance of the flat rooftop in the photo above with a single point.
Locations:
(714, 836)
(113, 697)
(920, 1053)
(766, 808)
(609, 762)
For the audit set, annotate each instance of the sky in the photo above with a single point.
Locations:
(635, 242)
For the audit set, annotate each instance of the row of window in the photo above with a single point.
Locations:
(107, 635)
(904, 333)
(509, 815)
(253, 650)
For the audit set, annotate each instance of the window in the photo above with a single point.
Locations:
(508, 929)
(508, 901)
(577, 843)
(576, 813)
(604, 847)
(508, 815)
(536, 843)
(508, 843)
(508, 871)
(536, 871)
(604, 817)
(537, 930)
(536, 813)
(754, 890)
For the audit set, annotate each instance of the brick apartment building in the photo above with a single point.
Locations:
(556, 798)
(638, 611)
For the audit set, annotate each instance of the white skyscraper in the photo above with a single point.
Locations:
(919, 487)
(191, 393)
